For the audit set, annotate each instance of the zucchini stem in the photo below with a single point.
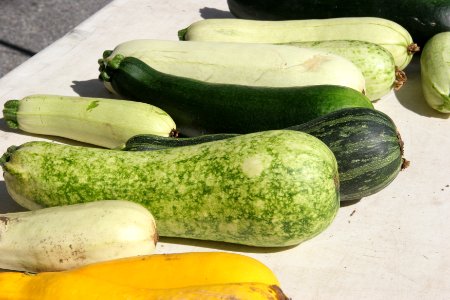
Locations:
(405, 162)
(182, 34)
(106, 64)
(7, 155)
(174, 133)
(400, 78)
(413, 48)
(10, 113)
(107, 53)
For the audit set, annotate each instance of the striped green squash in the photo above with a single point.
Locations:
(365, 142)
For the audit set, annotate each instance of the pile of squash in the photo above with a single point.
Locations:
(245, 131)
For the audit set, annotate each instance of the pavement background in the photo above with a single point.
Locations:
(26, 27)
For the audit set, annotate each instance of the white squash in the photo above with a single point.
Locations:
(64, 237)
(242, 63)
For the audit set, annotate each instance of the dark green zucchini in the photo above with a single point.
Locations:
(146, 142)
(365, 142)
(422, 18)
(223, 108)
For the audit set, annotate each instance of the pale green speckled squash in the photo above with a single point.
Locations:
(269, 189)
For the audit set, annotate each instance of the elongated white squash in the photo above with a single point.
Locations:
(383, 32)
(103, 122)
(243, 63)
(64, 237)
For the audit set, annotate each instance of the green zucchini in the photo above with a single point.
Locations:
(265, 64)
(374, 61)
(221, 108)
(365, 142)
(422, 18)
(269, 189)
(385, 33)
(103, 122)
(435, 72)
(147, 142)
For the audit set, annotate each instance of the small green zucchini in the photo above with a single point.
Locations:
(103, 122)
(422, 18)
(267, 189)
(435, 72)
(265, 64)
(222, 108)
(383, 32)
(68, 236)
(365, 142)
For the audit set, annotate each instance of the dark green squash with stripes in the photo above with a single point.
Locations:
(365, 142)
(422, 18)
(218, 108)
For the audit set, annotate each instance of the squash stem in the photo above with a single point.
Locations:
(413, 48)
(106, 64)
(7, 155)
(400, 78)
(10, 113)
(405, 162)
(182, 34)
(174, 133)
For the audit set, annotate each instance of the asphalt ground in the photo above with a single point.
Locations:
(27, 27)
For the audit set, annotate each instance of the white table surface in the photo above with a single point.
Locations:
(392, 245)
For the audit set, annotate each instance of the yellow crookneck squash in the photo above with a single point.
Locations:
(71, 286)
(191, 275)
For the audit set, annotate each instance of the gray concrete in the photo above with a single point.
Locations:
(26, 27)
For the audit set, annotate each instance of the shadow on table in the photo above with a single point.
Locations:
(91, 88)
(223, 246)
(4, 127)
(7, 204)
(411, 94)
(349, 203)
(214, 13)
(58, 139)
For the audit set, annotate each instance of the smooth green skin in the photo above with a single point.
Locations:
(435, 72)
(422, 18)
(268, 189)
(375, 62)
(365, 142)
(214, 108)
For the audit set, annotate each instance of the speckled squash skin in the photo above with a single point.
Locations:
(365, 142)
(269, 189)
(375, 62)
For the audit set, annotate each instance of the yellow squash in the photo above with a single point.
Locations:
(165, 271)
(71, 286)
